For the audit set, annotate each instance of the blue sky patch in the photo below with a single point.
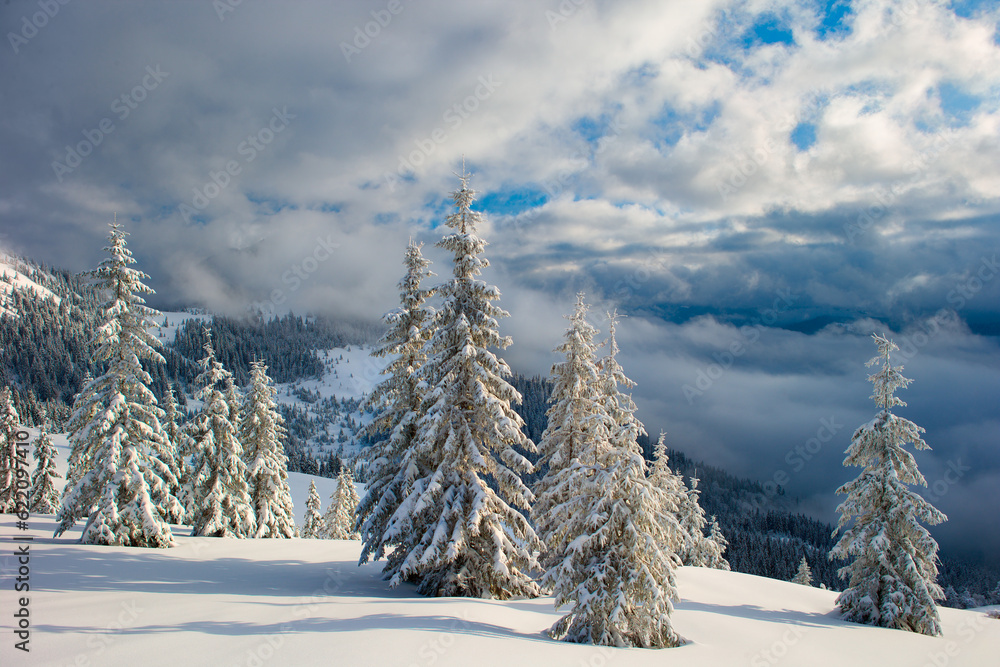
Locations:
(768, 29)
(511, 201)
(956, 102)
(834, 18)
(970, 8)
(671, 125)
(592, 129)
(804, 136)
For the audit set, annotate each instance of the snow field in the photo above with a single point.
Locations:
(225, 602)
(251, 603)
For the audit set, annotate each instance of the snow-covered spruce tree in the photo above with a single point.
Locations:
(467, 539)
(576, 424)
(261, 433)
(671, 484)
(121, 481)
(313, 526)
(44, 497)
(338, 522)
(9, 422)
(393, 462)
(804, 575)
(692, 520)
(77, 464)
(892, 580)
(182, 447)
(716, 547)
(220, 491)
(617, 571)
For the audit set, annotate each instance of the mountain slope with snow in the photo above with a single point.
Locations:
(15, 274)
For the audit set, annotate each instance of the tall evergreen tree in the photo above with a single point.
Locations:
(77, 463)
(44, 495)
(313, 526)
(671, 484)
(715, 547)
(574, 426)
(220, 492)
(467, 538)
(392, 462)
(616, 570)
(804, 574)
(182, 447)
(121, 482)
(262, 432)
(338, 522)
(892, 579)
(9, 423)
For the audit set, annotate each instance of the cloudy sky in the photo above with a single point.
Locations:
(757, 185)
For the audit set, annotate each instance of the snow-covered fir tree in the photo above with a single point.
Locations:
(393, 462)
(261, 433)
(313, 526)
(716, 547)
(182, 447)
(338, 522)
(44, 497)
(804, 574)
(671, 484)
(892, 578)
(9, 424)
(76, 464)
(467, 539)
(220, 489)
(616, 561)
(576, 425)
(697, 551)
(121, 481)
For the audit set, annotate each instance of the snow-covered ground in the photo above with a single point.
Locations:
(224, 603)
(306, 602)
(349, 372)
(169, 322)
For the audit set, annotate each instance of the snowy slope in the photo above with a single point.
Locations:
(349, 372)
(306, 602)
(12, 275)
(226, 602)
(174, 320)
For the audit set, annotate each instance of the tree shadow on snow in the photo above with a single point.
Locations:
(753, 612)
(81, 568)
(384, 621)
